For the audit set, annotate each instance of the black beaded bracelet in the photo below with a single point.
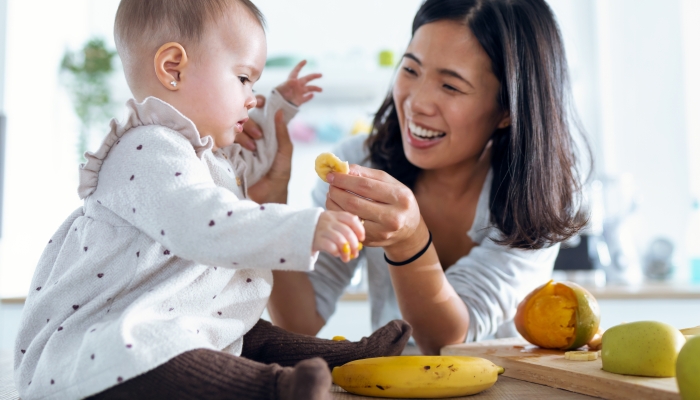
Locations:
(414, 258)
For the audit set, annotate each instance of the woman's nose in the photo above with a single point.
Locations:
(421, 99)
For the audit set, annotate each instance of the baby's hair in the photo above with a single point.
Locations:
(183, 19)
(148, 24)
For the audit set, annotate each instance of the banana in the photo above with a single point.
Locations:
(691, 331)
(407, 377)
(328, 162)
(338, 338)
(581, 355)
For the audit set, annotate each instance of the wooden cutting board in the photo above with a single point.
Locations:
(526, 362)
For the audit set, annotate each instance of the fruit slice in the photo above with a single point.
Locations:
(581, 355)
(691, 331)
(338, 338)
(558, 315)
(597, 342)
(328, 162)
(417, 376)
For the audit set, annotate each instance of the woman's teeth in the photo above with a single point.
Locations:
(423, 133)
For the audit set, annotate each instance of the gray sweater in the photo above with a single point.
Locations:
(491, 280)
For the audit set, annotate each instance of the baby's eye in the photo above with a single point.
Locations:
(243, 79)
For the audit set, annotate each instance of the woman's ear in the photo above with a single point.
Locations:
(505, 121)
(170, 62)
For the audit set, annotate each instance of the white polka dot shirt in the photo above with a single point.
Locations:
(165, 256)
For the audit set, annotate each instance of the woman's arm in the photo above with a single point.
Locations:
(392, 220)
(292, 304)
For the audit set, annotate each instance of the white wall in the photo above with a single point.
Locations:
(691, 51)
(3, 26)
(643, 110)
(41, 160)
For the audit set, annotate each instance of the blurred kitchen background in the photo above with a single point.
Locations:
(635, 72)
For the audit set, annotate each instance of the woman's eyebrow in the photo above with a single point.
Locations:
(412, 57)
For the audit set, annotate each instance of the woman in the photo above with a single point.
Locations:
(466, 185)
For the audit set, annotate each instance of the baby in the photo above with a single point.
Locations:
(155, 286)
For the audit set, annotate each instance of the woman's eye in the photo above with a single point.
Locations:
(451, 88)
(409, 70)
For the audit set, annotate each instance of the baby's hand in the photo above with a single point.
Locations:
(296, 90)
(336, 230)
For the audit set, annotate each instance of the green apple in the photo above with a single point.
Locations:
(688, 369)
(645, 348)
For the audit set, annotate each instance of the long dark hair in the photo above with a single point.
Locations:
(536, 188)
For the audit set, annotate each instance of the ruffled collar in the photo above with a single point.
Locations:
(152, 111)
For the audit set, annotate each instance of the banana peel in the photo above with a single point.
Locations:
(428, 377)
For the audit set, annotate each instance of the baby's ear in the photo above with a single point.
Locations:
(170, 62)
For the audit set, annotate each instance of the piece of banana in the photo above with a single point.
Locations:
(596, 343)
(338, 338)
(346, 247)
(581, 355)
(328, 162)
(407, 377)
(691, 331)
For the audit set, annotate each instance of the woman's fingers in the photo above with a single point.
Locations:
(260, 101)
(252, 129)
(284, 142)
(384, 190)
(246, 141)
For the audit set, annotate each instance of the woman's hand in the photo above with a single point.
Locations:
(389, 209)
(272, 188)
(251, 130)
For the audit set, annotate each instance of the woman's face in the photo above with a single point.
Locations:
(446, 97)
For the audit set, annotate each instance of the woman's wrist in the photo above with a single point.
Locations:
(409, 247)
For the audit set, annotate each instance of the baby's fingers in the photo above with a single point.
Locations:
(355, 224)
(295, 72)
(308, 78)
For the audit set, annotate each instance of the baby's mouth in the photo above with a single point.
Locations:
(239, 125)
(421, 133)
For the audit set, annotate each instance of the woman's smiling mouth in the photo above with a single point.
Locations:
(423, 133)
(420, 137)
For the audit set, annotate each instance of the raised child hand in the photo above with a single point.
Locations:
(336, 230)
(297, 90)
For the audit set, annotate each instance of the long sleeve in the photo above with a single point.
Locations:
(258, 162)
(492, 280)
(154, 181)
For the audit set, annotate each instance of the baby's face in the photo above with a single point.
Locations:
(217, 89)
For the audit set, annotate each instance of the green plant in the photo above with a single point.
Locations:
(87, 75)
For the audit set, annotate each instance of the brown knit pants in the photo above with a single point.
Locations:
(209, 374)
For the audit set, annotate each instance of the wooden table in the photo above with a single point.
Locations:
(505, 388)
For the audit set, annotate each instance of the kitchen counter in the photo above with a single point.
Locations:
(505, 388)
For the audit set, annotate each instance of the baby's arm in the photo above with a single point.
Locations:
(155, 181)
(288, 96)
